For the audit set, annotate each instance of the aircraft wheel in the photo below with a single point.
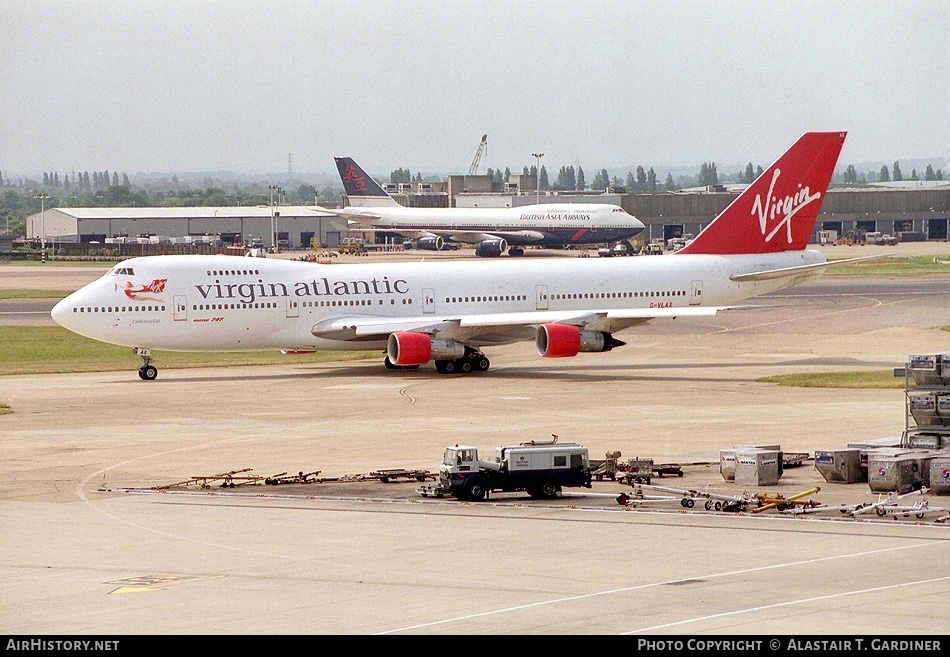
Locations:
(148, 373)
(465, 366)
(449, 367)
(481, 364)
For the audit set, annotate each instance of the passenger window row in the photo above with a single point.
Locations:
(233, 272)
(512, 297)
(117, 309)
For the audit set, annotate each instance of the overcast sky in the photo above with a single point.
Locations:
(181, 86)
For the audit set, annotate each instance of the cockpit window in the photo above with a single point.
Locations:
(123, 271)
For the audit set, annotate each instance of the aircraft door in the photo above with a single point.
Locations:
(428, 301)
(696, 293)
(293, 307)
(540, 297)
(181, 307)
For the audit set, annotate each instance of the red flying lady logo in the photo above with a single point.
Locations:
(143, 293)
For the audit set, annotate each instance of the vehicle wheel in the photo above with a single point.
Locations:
(718, 506)
(148, 373)
(708, 505)
(690, 503)
(549, 489)
(881, 511)
(684, 502)
(533, 491)
(475, 489)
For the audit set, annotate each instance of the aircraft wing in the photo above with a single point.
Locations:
(497, 327)
(476, 236)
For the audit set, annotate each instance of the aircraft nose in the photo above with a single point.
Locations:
(62, 311)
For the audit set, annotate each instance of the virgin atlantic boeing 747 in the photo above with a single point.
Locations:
(448, 312)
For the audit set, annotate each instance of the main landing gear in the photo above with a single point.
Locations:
(472, 362)
(147, 371)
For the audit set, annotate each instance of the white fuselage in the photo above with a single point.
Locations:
(223, 303)
(562, 223)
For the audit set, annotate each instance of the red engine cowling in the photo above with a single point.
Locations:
(565, 340)
(558, 340)
(411, 348)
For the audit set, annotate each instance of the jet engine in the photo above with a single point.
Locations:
(410, 348)
(491, 248)
(565, 340)
(434, 243)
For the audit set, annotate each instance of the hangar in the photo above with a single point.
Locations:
(294, 226)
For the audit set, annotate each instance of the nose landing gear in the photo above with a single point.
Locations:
(147, 371)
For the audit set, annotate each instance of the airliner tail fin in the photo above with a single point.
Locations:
(361, 189)
(778, 210)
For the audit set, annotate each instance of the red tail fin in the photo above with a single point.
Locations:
(778, 211)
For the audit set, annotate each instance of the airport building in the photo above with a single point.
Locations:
(293, 226)
(915, 212)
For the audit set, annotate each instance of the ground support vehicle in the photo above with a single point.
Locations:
(712, 501)
(541, 468)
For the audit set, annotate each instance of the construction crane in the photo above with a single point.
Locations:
(482, 147)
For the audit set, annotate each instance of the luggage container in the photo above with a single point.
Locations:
(892, 474)
(921, 439)
(757, 467)
(840, 465)
(930, 369)
(940, 474)
(865, 448)
(727, 459)
(923, 406)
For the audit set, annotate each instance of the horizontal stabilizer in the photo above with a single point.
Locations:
(801, 269)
